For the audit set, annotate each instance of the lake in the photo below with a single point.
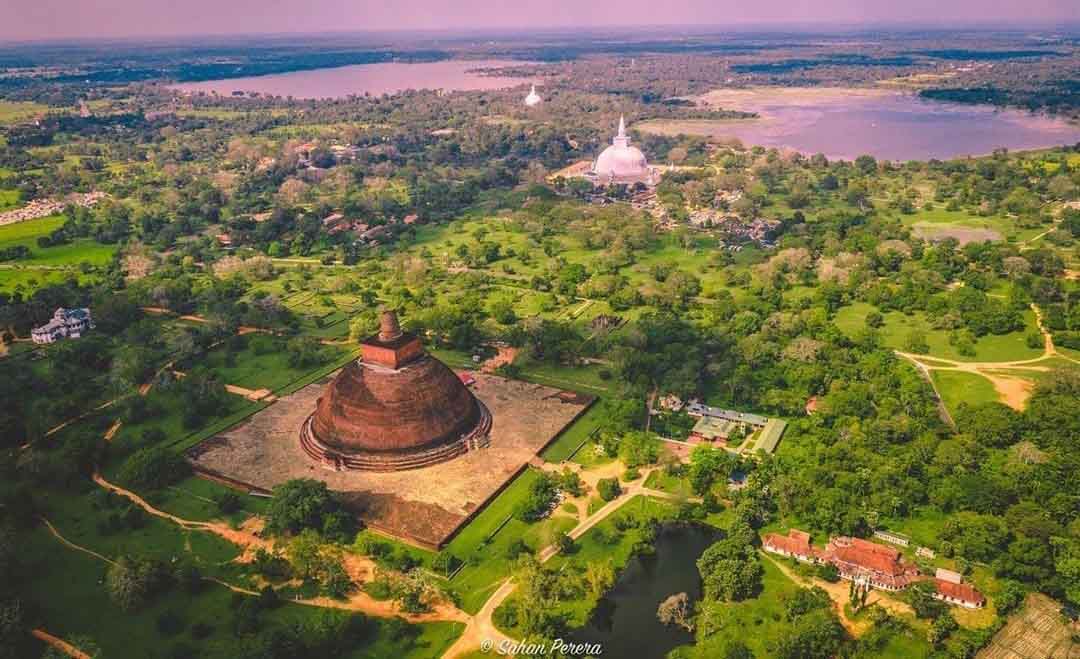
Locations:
(359, 79)
(888, 124)
(624, 622)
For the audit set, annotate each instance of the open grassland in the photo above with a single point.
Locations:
(262, 364)
(957, 387)
(15, 111)
(898, 327)
(940, 223)
(81, 250)
(8, 198)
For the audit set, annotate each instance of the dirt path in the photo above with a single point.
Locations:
(1012, 388)
(482, 629)
(840, 595)
(71, 545)
(360, 569)
(59, 643)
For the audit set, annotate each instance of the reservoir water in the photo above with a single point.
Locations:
(360, 79)
(888, 124)
(625, 621)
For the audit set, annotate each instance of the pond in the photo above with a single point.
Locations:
(888, 124)
(360, 79)
(625, 623)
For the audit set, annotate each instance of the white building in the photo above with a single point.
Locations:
(622, 163)
(65, 324)
(533, 99)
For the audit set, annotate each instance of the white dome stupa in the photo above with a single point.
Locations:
(622, 163)
(533, 99)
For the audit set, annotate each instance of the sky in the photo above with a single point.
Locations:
(60, 19)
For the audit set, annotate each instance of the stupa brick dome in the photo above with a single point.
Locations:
(396, 408)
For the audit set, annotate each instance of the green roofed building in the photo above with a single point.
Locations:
(770, 435)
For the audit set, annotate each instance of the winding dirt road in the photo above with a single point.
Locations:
(1007, 377)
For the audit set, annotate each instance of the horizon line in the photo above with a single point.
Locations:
(1070, 27)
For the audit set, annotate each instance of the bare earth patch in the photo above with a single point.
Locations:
(422, 506)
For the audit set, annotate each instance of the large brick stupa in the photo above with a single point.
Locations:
(395, 408)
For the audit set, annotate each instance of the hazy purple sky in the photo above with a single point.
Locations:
(48, 19)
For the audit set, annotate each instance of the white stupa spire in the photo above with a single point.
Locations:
(620, 138)
(533, 98)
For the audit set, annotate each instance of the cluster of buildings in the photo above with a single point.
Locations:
(716, 425)
(872, 564)
(45, 207)
(365, 233)
(65, 324)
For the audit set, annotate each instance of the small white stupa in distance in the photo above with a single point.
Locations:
(533, 98)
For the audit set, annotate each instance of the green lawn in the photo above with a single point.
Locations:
(678, 485)
(898, 326)
(940, 220)
(8, 198)
(490, 565)
(957, 387)
(269, 370)
(78, 251)
(572, 437)
(15, 111)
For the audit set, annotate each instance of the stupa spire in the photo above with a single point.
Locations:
(389, 328)
(622, 126)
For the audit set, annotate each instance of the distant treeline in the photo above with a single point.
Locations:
(985, 55)
(1061, 95)
(840, 59)
(258, 65)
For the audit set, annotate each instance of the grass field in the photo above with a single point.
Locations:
(81, 250)
(8, 198)
(897, 327)
(957, 387)
(941, 222)
(15, 111)
(268, 370)
(572, 437)
(475, 582)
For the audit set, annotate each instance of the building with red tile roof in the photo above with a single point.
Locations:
(960, 594)
(796, 544)
(868, 562)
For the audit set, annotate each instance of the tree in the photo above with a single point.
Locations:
(537, 504)
(608, 488)
(730, 571)
(676, 610)
(132, 582)
(305, 503)
(153, 468)
(599, 577)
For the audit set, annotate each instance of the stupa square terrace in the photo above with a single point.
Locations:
(423, 506)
